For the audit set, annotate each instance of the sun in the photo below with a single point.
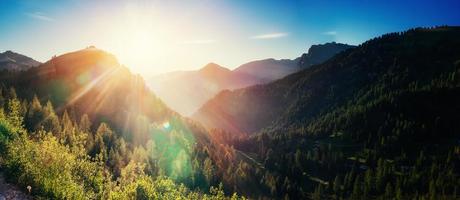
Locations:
(138, 44)
(147, 40)
(137, 38)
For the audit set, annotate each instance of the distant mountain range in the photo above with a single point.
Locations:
(196, 87)
(201, 85)
(319, 53)
(269, 69)
(13, 61)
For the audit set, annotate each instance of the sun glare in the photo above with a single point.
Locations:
(138, 42)
(147, 39)
(136, 37)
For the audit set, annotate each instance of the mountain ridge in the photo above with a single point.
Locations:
(200, 85)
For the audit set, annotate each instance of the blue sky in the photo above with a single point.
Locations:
(154, 37)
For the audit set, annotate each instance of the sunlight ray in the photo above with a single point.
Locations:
(80, 93)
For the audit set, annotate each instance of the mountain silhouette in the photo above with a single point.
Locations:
(317, 54)
(269, 69)
(201, 85)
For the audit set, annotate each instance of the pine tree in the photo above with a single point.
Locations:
(103, 140)
(286, 185)
(389, 191)
(369, 182)
(208, 170)
(99, 147)
(35, 115)
(67, 129)
(2, 99)
(85, 123)
(357, 188)
(51, 122)
(14, 110)
(337, 184)
(432, 190)
(317, 195)
(66, 122)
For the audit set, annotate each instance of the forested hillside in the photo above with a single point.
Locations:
(81, 126)
(379, 121)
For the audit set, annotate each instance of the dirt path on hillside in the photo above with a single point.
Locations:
(250, 159)
(11, 192)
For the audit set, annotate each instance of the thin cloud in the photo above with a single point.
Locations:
(330, 33)
(270, 36)
(199, 42)
(40, 16)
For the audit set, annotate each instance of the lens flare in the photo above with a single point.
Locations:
(83, 78)
(166, 126)
(171, 145)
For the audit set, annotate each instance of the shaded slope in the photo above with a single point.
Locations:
(295, 99)
(376, 122)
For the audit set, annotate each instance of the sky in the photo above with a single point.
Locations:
(152, 37)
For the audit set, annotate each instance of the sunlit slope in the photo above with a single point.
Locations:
(396, 59)
(92, 82)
